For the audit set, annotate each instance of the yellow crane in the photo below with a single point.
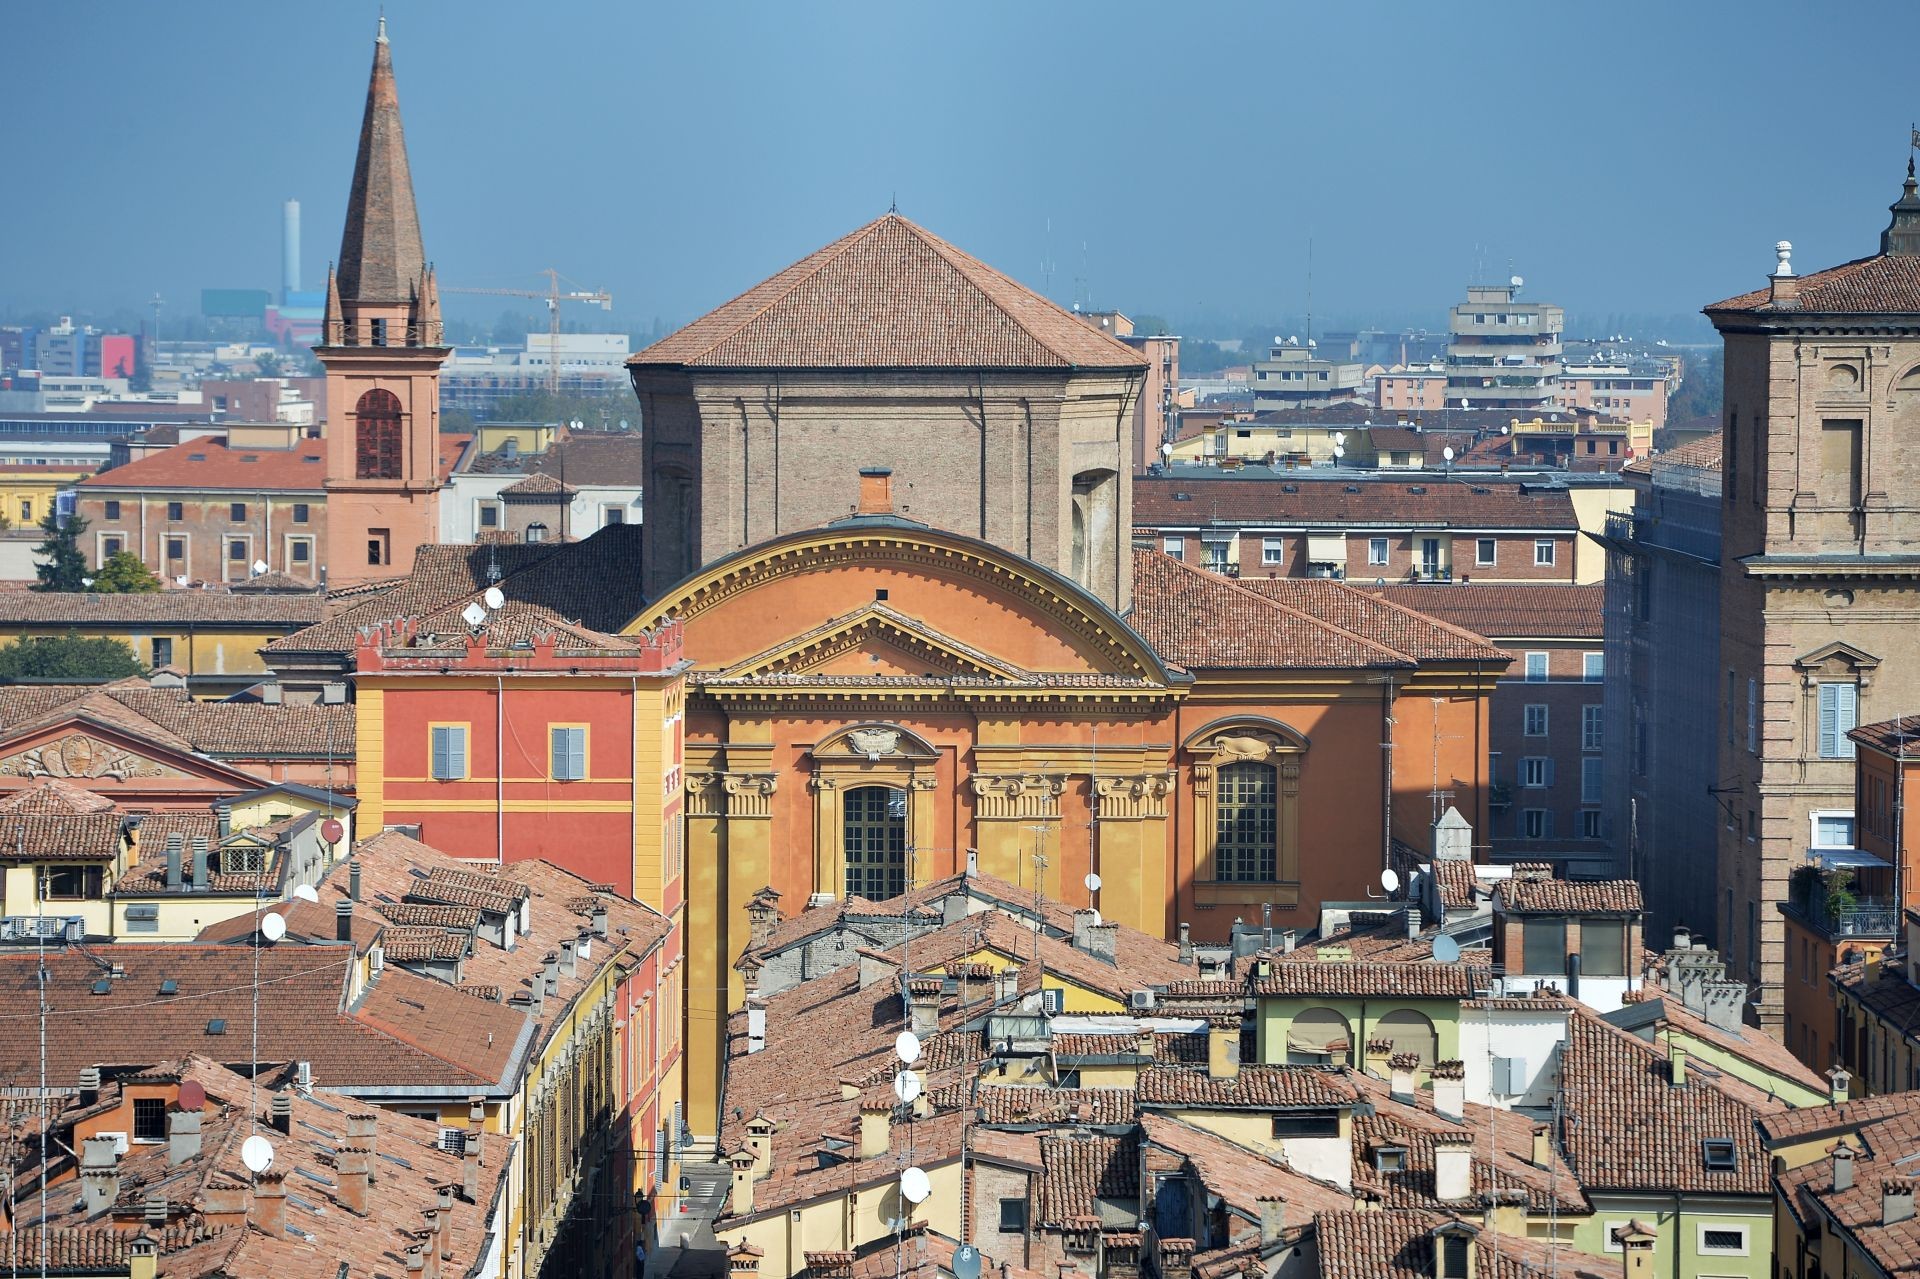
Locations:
(554, 296)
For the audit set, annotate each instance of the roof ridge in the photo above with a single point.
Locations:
(1406, 611)
(1290, 611)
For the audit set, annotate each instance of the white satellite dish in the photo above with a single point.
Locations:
(306, 894)
(906, 1046)
(906, 1086)
(256, 1153)
(474, 614)
(273, 927)
(259, 567)
(1447, 452)
(494, 597)
(1445, 949)
(915, 1186)
(1516, 281)
(1092, 882)
(1390, 879)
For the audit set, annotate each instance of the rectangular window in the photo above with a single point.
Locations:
(73, 883)
(176, 548)
(1535, 823)
(1593, 667)
(1543, 942)
(1591, 825)
(176, 511)
(1840, 464)
(1013, 1216)
(1723, 1240)
(162, 652)
(1273, 550)
(1833, 830)
(1174, 546)
(236, 552)
(1217, 555)
(1753, 716)
(1536, 720)
(237, 512)
(1485, 551)
(113, 510)
(1305, 1123)
(612, 515)
(1839, 715)
(302, 512)
(149, 1119)
(1536, 771)
(567, 754)
(1593, 727)
(489, 515)
(1377, 550)
(26, 510)
(1603, 947)
(1543, 552)
(449, 752)
(379, 544)
(1536, 668)
(111, 546)
(300, 551)
(1590, 783)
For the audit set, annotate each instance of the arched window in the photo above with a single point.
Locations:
(875, 839)
(377, 436)
(536, 532)
(1318, 1037)
(1245, 820)
(1408, 1032)
(1079, 539)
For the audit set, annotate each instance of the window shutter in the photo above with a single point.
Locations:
(1847, 718)
(441, 748)
(1547, 765)
(457, 751)
(577, 751)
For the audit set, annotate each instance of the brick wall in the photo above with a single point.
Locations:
(195, 535)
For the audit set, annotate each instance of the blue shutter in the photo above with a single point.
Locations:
(442, 747)
(1548, 762)
(577, 751)
(458, 751)
(1848, 706)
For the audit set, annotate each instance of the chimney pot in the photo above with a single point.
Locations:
(270, 1203)
(1896, 1200)
(355, 1166)
(200, 863)
(1677, 1064)
(1186, 943)
(283, 1114)
(173, 862)
(1450, 1090)
(1842, 1168)
(353, 880)
(470, 1168)
(89, 1085)
(599, 919)
(156, 1209)
(343, 920)
(876, 490)
(1223, 1051)
(566, 958)
(1839, 1082)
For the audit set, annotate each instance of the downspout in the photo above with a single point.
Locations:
(266, 530)
(1386, 774)
(499, 770)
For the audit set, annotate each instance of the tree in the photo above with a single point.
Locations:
(63, 565)
(267, 364)
(67, 657)
(125, 573)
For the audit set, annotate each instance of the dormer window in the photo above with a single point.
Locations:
(1719, 1155)
(1455, 1256)
(1389, 1158)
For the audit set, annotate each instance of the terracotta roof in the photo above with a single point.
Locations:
(195, 607)
(1400, 624)
(1399, 1244)
(1077, 1170)
(76, 1249)
(1051, 1107)
(1255, 1087)
(1242, 629)
(249, 730)
(922, 1254)
(381, 256)
(889, 295)
(1309, 975)
(539, 484)
(1522, 895)
(211, 464)
(52, 820)
(1242, 1177)
(1502, 610)
(1702, 454)
(1891, 1000)
(1502, 1153)
(1630, 1128)
(1788, 1127)
(1899, 738)
(275, 583)
(1384, 502)
(513, 624)
(1457, 882)
(1885, 284)
(1887, 1133)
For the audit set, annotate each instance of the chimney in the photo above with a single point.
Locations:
(223, 820)
(954, 907)
(1838, 1081)
(741, 1161)
(583, 945)
(1452, 837)
(470, 1169)
(1784, 285)
(173, 862)
(364, 1131)
(1375, 1059)
(1186, 943)
(550, 974)
(1842, 1168)
(416, 1262)
(431, 1245)
(1636, 1240)
(1288, 939)
(1083, 921)
(200, 863)
(270, 1203)
(353, 880)
(756, 1026)
(1412, 912)
(876, 491)
(876, 1129)
(1273, 1219)
(830, 1265)
(100, 1174)
(743, 1260)
(183, 1136)
(1223, 1049)
(760, 1141)
(566, 958)
(89, 1085)
(923, 1006)
(355, 1166)
(1676, 1064)
(1542, 1146)
(283, 1114)
(599, 919)
(155, 1212)
(1103, 942)
(874, 967)
(1450, 1090)
(763, 916)
(1896, 1200)
(1176, 1258)
(1006, 984)
(343, 920)
(1452, 1167)
(1682, 937)
(143, 1257)
(1400, 1068)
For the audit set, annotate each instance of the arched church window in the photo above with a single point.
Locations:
(536, 532)
(1246, 823)
(1079, 540)
(377, 436)
(875, 840)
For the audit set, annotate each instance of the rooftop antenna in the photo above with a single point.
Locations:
(1309, 290)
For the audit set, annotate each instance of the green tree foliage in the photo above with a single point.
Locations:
(63, 566)
(67, 657)
(125, 573)
(1698, 401)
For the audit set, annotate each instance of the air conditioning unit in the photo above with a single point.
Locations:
(1140, 1000)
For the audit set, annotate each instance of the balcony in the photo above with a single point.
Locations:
(1843, 916)
(1500, 796)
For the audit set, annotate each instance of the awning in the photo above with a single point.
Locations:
(1844, 859)
(1327, 548)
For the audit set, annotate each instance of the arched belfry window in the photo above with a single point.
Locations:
(378, 436)
(875, 841)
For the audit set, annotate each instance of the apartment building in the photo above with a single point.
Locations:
(1296, 376)
(1502, 351)
(1634, 390)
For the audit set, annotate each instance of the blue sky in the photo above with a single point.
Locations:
(1626, 158)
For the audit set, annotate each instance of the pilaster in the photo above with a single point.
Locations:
(1017, 816)
(1132, 823)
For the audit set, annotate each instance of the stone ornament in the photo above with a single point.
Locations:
(79, 756)
(873, 741)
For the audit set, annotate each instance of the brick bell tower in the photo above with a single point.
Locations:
(381, 346)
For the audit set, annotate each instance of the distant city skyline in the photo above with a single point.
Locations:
(1166, 161)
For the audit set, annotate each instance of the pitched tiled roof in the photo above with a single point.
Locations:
(1885, 284)
(171, 718)
(1255, 1087)
(1702, 454)
(1503, 610)
(1241, 629)
(1525, 895)
(539, 484)
(1400, 624)
(158, 608)
(1000, 1104)
(1399, 1244)
(587, 458)
(1242, 1177)
(1387, 503)
(1077, 1170)
(1899, 738)
(889, 295)
(1630, 1128)
(53, 820)
(211, 464)
(1308, 975)
(1888, 1133)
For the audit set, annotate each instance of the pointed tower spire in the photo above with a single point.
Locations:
(381, 256)
(1902, 236)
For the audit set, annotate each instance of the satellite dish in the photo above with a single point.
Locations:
(1447, 452)
(273, 927)
(906, 1046)
(1390, 879)
(256, 1153)
(331, 830)
(305, 893)
(906, 1086)
(914, 1185)
(1516, 281)
(192, 1095)
(87, 582)
(474, 614)
(259, 567)
(494, 597)
(1446, 949)
(966, 1262)
(1092, 882)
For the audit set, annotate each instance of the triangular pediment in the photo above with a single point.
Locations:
(875, 641)
(92, 753)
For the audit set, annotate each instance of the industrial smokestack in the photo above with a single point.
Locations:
(289, 251)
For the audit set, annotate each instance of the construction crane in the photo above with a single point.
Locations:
(554, 296)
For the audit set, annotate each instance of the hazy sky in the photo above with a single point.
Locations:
(1635, 157)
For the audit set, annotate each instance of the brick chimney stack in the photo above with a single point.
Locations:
(876, 491)
(270, 1203)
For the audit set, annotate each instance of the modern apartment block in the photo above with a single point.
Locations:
(1297, 376)
(1502, 352)
(1821, 539)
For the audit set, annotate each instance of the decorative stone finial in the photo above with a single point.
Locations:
(1784, 249)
